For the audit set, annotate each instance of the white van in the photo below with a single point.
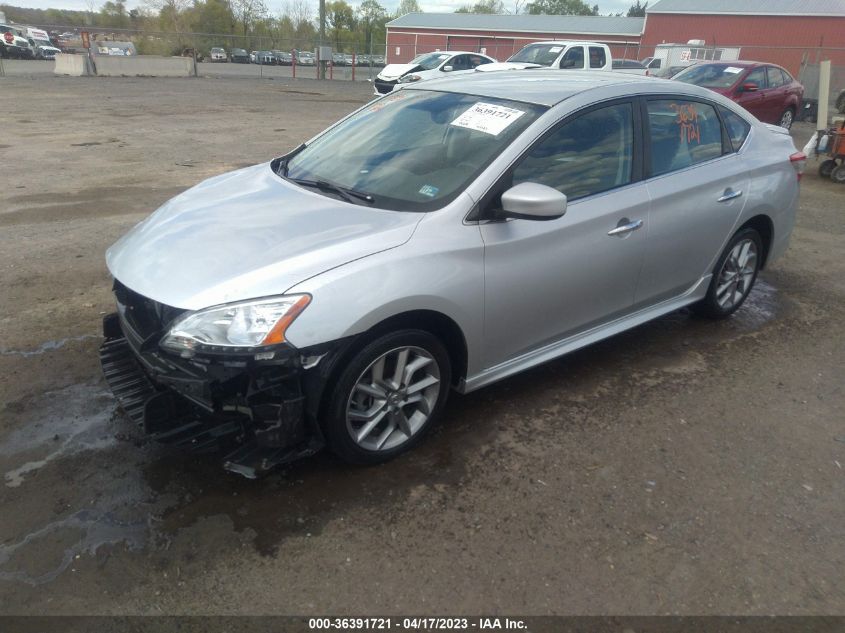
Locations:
(41, 44)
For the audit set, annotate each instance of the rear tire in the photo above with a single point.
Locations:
(387, 397)
(787, 118)
(733, 276)
(827, 167)
(838, 174)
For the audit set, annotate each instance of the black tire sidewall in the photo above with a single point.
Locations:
(826, 168)
(334, 416)
(837, 174)
(709, 306)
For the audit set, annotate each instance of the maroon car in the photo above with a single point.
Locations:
(767, 91)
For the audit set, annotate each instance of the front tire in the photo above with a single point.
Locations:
(787, 118)
(734, 275)
(837, 175)
(387, 397)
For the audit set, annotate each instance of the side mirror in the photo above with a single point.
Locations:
(448, 69)
(748, 87)
(532, 201)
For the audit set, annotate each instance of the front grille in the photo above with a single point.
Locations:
(384, 86)
(145, 316)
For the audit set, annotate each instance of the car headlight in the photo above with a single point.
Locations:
(241, 326)
(409, 78)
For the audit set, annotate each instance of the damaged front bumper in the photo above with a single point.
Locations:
(256, 410)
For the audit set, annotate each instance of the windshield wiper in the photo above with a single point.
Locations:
(283, 163)
(350, 195)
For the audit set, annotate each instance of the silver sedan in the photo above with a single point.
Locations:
(443, 237)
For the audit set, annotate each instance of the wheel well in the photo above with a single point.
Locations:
(763, 225)
(436, 323)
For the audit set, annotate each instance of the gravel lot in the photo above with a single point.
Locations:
(684, 467)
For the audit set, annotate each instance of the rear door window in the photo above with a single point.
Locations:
(683, 133)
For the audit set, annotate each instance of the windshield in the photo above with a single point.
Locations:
(413, 150)
(543, 54)
(430, 61)
(711, 75)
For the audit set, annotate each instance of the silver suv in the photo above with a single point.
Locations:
(442, 237)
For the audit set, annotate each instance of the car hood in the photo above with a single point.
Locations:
(394, 71)
(486, 68)
(247, 234)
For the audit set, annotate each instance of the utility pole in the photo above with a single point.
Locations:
(322, 68)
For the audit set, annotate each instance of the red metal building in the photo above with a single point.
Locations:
(501, 36)
(785, 32)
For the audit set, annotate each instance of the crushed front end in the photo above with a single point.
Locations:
(252, 405)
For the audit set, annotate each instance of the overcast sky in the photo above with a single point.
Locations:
(432, 6)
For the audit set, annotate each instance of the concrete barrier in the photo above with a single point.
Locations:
(73, 65)
(143, 66)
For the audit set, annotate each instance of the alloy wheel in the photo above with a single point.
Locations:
(737, 274)
(393, 398)
(786, 119)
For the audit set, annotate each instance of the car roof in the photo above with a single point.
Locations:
(541, 87)
(453, 53)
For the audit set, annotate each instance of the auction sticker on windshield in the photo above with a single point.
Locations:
(488, 118)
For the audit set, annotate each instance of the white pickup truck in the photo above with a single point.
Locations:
(566, 55)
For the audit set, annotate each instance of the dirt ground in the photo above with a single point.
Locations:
(684, 467)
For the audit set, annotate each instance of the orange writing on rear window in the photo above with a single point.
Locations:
(687, 121)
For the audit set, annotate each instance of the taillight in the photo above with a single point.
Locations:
(799, 161)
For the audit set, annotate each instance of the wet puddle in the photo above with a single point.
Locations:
(49, 346)
(69, 421)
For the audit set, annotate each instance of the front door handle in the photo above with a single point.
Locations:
(729, 194)
(624, 229)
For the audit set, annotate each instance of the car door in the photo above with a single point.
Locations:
(753, 101)
(548, 280)
(697, 185)
(776, 97)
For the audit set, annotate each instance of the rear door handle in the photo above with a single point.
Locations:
(729, 194)
(624, 229)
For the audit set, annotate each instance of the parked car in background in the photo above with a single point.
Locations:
(265, 58)
(283, 58)
(428, 66)
(40, 42)
(338, 59)
(378, 60)
(349, 59)
(239, 56)
(305, 58)
(668, 72)
(448, 236)
(574, 55)
(629, 66)
(218, 55)
(14, 44)
(767, 91)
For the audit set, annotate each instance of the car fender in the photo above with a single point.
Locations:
(440, 269)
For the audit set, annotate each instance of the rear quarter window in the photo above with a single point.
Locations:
(737, 128)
